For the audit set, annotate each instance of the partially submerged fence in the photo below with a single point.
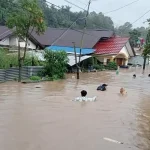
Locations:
(13, 73)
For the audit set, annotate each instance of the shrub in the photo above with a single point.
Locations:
(12, 58)
(99, 67)
(112, 66)
(35, 78)
(56, 64)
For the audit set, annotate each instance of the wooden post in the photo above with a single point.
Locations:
(144, 64)
(75, 54)
(19, 61)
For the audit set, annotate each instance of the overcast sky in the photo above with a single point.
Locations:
(129, 13)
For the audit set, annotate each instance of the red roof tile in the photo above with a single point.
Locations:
(111, 46)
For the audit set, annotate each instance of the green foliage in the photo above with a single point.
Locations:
(26, 18)
(99, 67)
(124, 29)
(6, 6)
(56, 64)
(64, 17)
(111, 66)
(134, 35)
(28, 14)
(3, 59)
(35, 78)
(7, 58)
(146, 51)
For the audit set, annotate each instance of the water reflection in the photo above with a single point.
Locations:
(45, 118)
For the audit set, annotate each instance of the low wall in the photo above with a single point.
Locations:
(13, 73)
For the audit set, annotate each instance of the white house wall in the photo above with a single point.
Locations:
(129, 49)
(30, 44)
(12, 41)
(125, 52)
(5, 42)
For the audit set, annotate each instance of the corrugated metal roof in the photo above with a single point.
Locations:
(4, 32)
(40, 56)
(111, 46)
(71, 49)
(72, 59)
(91, 36)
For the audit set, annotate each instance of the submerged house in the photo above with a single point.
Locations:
(62, 39)
(9, 40)
(116, 49)
(99, 43)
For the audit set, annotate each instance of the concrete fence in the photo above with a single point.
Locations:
(13, 73)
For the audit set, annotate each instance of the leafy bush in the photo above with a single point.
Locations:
(35, 78)
(111, 66)
(56, 64)
(99, 67)
(7, 59)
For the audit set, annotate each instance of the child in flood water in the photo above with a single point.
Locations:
(84, 98)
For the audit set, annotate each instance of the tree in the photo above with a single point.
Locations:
(146, 51)
(124, 29)
(55, 64)
(134, 35)
(6, 6)
(26, 18)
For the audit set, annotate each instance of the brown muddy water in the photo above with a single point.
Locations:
(45, 118)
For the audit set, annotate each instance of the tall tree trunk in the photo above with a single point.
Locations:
(25, 49)
(19, 61)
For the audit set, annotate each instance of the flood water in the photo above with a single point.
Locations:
(45, 118)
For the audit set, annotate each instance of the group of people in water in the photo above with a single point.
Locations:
(102, 87)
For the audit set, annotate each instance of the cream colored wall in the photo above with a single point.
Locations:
(103, 58)
(124, 51)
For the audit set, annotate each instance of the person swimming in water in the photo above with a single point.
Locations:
(83, 93)
(84, 98)
(102, 87)
(134, 76)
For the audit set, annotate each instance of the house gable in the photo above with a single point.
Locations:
(114, 46)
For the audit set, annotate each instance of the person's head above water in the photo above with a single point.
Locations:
(83, 93)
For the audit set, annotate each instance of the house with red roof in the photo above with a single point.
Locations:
(108, 47)
(116, 49)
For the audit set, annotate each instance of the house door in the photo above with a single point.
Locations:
(119, 61)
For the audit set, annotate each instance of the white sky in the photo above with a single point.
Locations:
(127, 14)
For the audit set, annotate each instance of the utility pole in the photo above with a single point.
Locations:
(75, 55)
(19, 61)
(145, 56)
(85, 25)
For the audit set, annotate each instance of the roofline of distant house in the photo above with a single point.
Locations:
(30, 38)
(106, 54)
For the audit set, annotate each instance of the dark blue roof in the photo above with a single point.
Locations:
(71, 49)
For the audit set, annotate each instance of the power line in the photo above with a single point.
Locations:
(113, 9)
(138, 19)
(75, 5)
(63, 34)
(57, 39)
(121, 7)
